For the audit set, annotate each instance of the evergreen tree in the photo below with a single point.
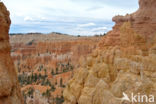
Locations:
(56, 70)
(32, 77)
(35, 78)
(52, 72)
(40, 76)
(61, 82)
(30, 92)
(56, 82)
(52, 88)
(47, 93)
(59, 100)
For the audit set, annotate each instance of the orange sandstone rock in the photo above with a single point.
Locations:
(125, 61)
(9, 87)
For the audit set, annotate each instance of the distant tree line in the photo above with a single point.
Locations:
(25, 33)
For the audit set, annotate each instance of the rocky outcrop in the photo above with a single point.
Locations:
(143, 20)
(124, 62)
(9, 87)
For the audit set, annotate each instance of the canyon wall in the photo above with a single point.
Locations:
(49, 50)
(9, 87)
(46, 62)
(124, 62)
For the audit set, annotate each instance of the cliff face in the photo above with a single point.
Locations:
(125, 61)
(9, 87)
(143, 20)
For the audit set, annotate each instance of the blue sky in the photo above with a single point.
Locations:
(75, 17)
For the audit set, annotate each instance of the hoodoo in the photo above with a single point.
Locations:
(124, 62)
(9, 87)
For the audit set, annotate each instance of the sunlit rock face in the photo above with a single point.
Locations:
(125, 61)
(143, 20)
(9, 87)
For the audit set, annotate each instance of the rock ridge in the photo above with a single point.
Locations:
(123, 62)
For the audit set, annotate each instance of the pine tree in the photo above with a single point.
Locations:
(40, 76)
(47, 93)
(32, 77)
(61, 82)
(56, 70)
(35, 78)
(52, 72)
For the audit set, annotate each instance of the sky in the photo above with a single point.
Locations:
(74, 17)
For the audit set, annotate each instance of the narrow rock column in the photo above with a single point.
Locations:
(9, 87)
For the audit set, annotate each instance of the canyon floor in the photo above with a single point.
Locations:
(46, 62)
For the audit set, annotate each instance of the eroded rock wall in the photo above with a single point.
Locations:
(9, 87)
(125, 61)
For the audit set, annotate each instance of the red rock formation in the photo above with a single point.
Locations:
(50, 53)
(143, 22)
(9, 87)
(125, 61)
(58, 54)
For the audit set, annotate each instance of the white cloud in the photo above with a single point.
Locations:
(88, 33)
(90, 30)
(64, 8)
(28, 18)
(86, 25)
(83, 13)
(99, 29)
